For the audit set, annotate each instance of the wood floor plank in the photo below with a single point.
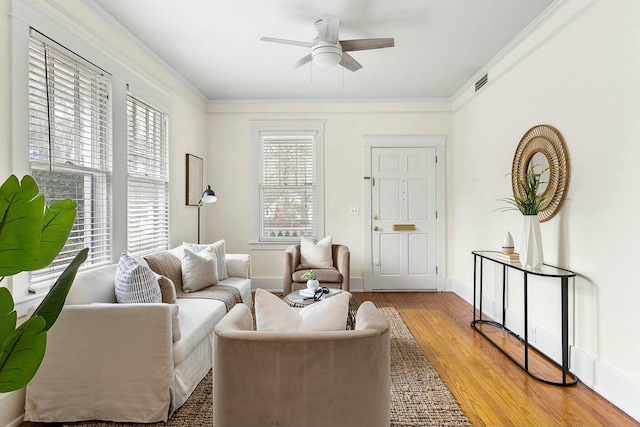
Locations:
(491, 390)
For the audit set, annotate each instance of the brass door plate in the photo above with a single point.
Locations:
(404, 227)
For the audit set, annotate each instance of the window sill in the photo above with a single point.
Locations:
(23, 305)
(271, 246)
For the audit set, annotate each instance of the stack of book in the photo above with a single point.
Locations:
(513, 257)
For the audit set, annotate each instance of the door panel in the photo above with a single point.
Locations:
(403, 193)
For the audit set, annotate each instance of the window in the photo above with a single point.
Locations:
(70, 146)
(288, 196)
(147, 179)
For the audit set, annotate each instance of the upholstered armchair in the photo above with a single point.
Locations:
(303, 378)
(335, 277)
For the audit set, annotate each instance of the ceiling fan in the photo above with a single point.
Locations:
(327, 51)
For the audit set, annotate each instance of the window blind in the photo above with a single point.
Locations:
(147, 178)
(288, 190)
(70, 150)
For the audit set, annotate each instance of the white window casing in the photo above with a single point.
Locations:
(70, 147)
(288, 193)
(147, 178)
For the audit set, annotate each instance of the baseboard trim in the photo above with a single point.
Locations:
(601, 378)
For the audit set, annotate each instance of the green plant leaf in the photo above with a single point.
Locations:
(21, 354)
(56, 226)
(8, 317)
(21, 213)
(50, 307)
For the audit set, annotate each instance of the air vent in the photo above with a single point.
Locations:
(481, 82)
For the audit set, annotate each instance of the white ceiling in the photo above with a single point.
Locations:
(215, 44)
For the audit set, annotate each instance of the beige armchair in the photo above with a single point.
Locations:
(328, 378)
(336, 277)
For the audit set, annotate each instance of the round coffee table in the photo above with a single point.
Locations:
(294, 299)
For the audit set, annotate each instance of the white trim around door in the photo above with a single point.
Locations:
(427, 141)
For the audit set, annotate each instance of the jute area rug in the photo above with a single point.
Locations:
(418, 395)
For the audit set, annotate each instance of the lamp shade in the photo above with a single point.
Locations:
(208, 196)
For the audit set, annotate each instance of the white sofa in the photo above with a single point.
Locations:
(118, 362)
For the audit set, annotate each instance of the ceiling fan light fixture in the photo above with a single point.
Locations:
(326, 54)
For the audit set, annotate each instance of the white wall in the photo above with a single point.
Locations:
(229, 173)
(579, 72)
(84, 29)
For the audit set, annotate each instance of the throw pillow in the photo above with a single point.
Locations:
(168, 265)
(199, 270)
(273, 314)
(316, 255)
(167, 289)
(135, 283)
(218, 249)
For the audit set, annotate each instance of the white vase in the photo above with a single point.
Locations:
(507, 244)
(531, 250)
(312, 285)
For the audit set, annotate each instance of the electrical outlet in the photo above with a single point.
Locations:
(354, 210)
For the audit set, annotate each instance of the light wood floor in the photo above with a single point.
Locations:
(491, 390)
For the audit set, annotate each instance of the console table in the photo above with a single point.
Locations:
(479, 257)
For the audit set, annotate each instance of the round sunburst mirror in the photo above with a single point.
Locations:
(543, 145)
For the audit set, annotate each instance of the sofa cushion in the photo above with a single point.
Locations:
(93, 286)
(315, 255)
(135, 283)
(166, 264)
(199, 270)
(218, 249)
(198, 317)
(273, 314)
(324, 275)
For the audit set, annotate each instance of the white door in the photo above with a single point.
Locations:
(404, 218)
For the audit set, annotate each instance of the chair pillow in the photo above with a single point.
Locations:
(135, 283)
(273, 314)
(218, 249)
(316, 255)
(199, 270)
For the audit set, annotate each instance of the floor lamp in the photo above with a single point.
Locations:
(208, 196)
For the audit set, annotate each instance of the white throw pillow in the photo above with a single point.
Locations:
(135, 283)
(218, 249)
(199, 270)
(273, 314)
(316, 255)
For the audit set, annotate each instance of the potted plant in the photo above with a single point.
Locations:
(528, 201)
(312, 280)
(31, 236)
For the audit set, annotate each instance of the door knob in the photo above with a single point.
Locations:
(375, 228)
(375, 217)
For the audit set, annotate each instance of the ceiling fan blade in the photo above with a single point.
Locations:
(349, 62)
(329, 28)
(285, 41)
(366, 44)
(301, 62)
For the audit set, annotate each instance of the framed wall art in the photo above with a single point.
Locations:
(194, 180)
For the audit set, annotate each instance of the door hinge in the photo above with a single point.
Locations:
(436, 214)
(436, 269)
(436, 159)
